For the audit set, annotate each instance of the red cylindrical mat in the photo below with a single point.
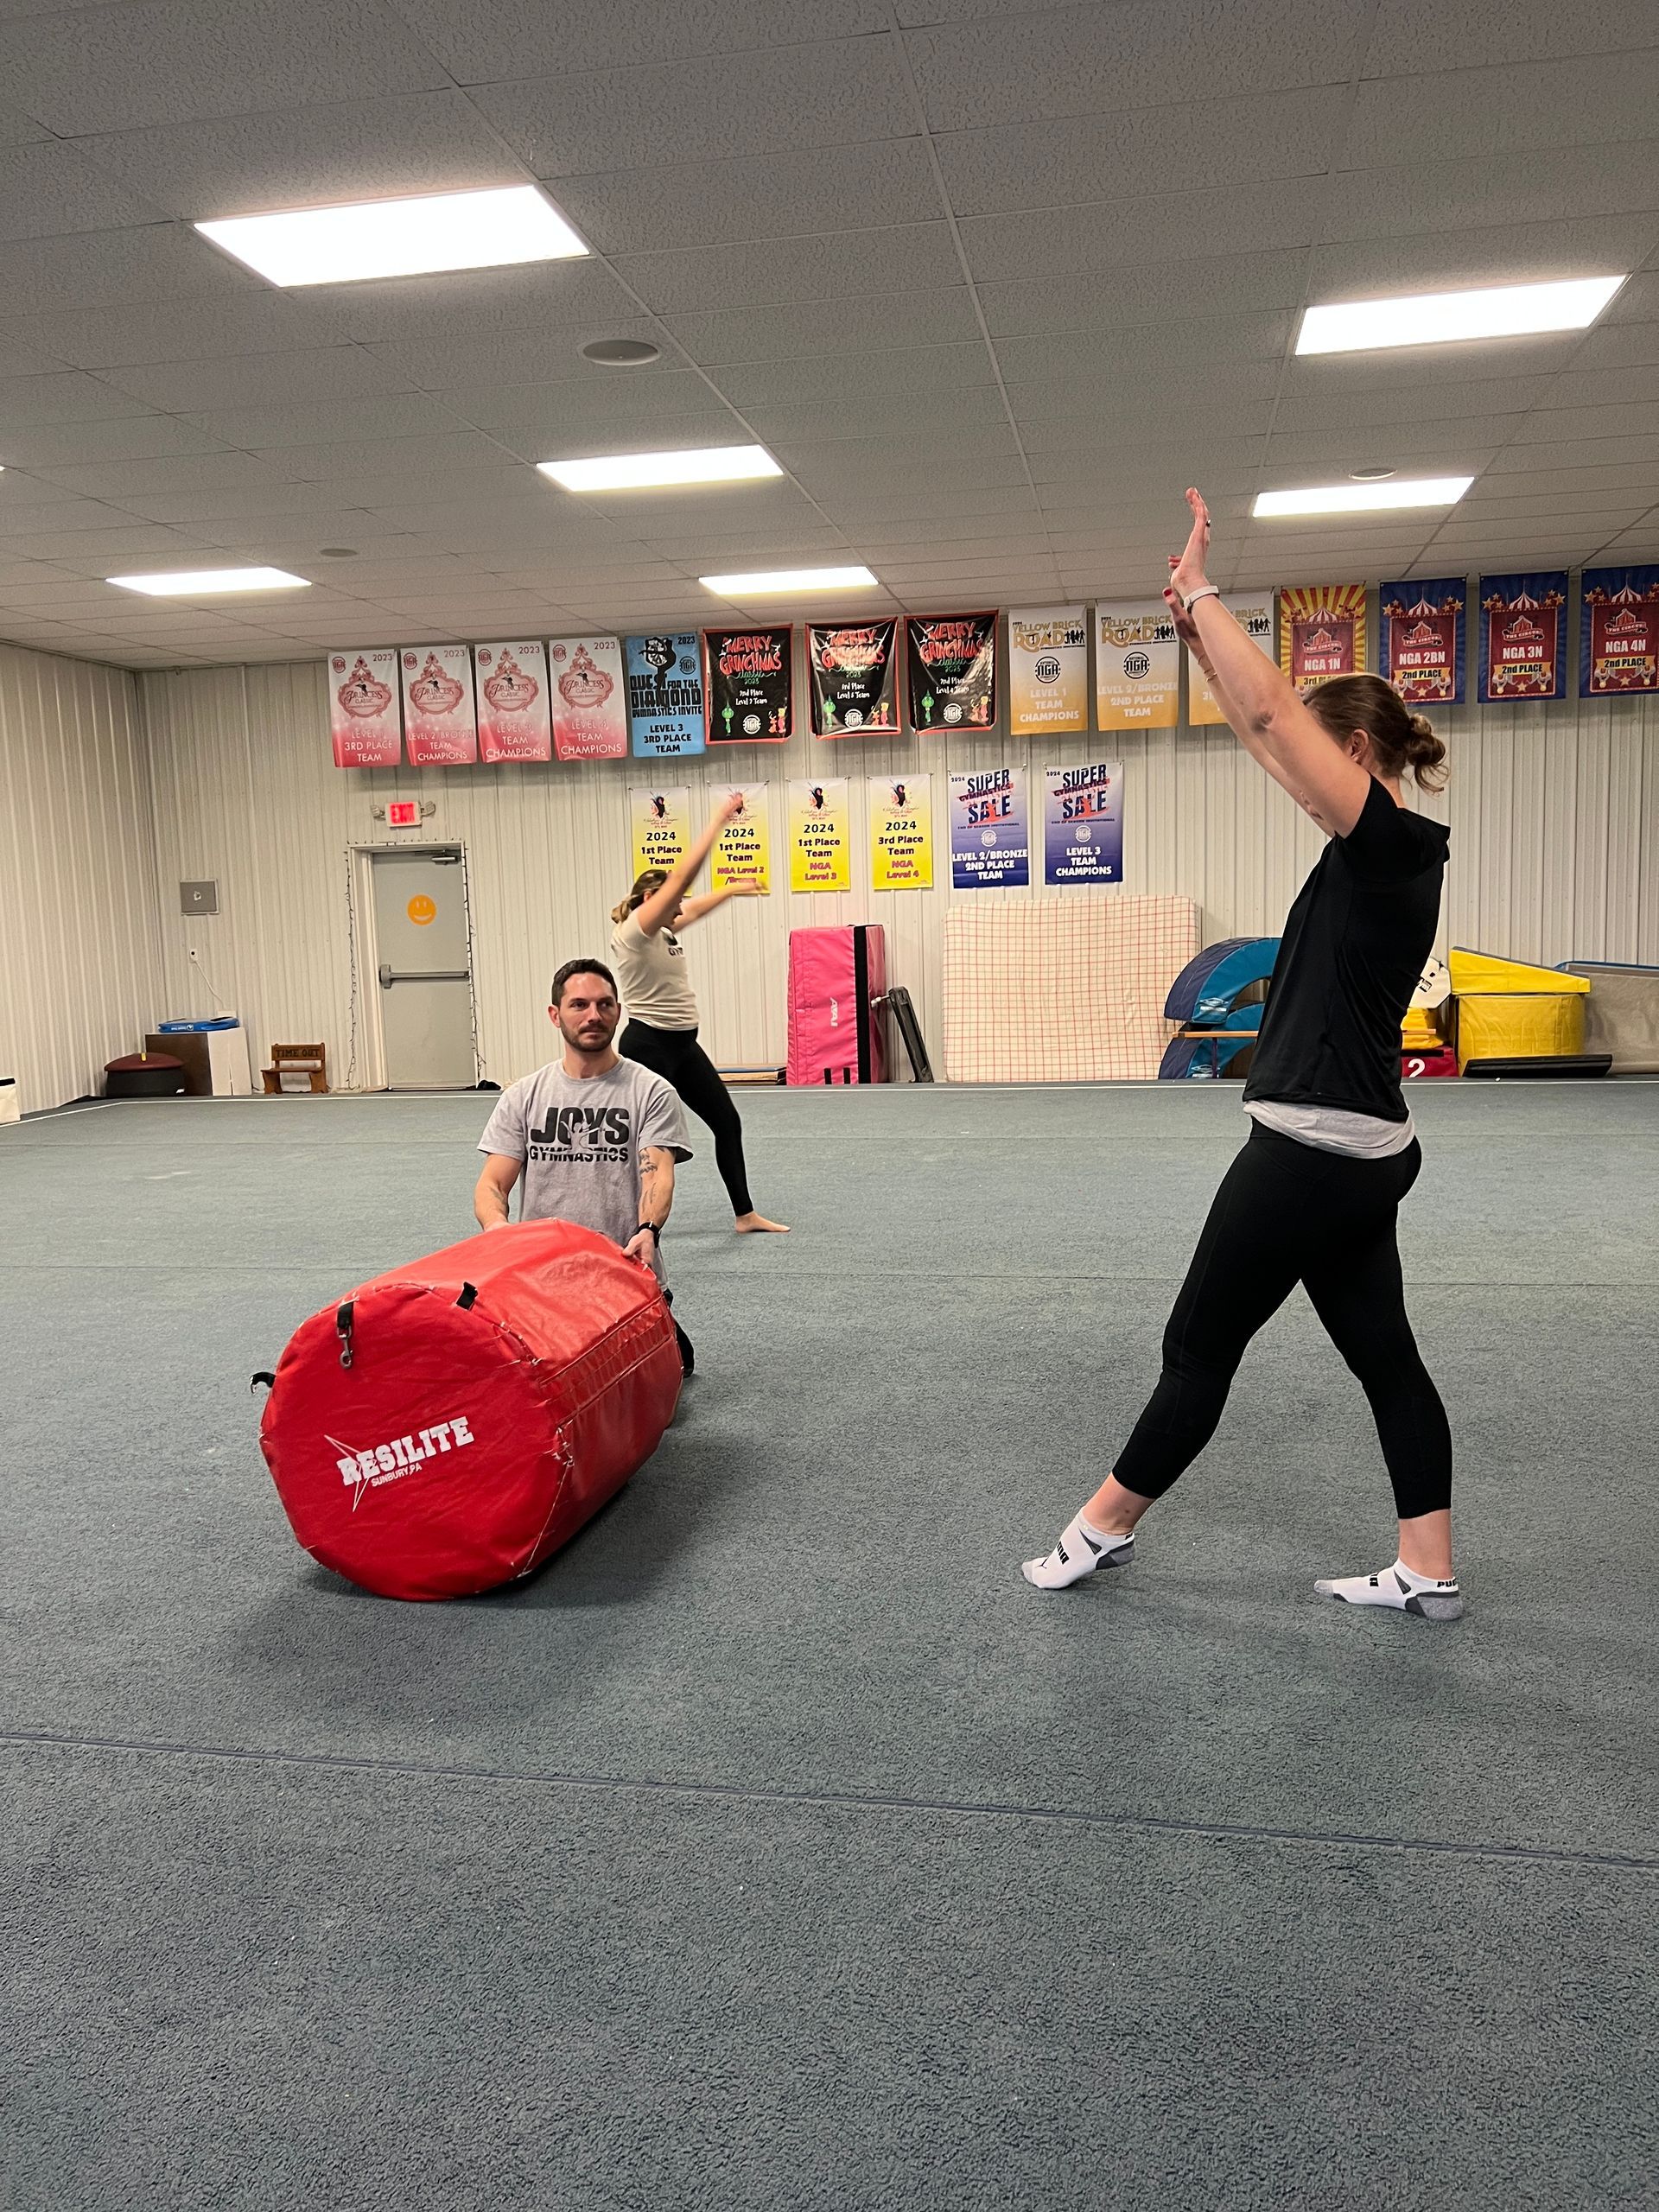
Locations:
(452, 1422)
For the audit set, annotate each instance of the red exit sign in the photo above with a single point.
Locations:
(403, 814)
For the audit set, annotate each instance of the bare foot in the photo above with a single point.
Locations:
(755, 1224)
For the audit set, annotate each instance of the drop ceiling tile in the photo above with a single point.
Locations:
(817, 329)
(1450, 260)
(1067, 244)
(343, 149)
(1632, 418)
(742, 101)
(1502, 188)
(274, 380)
(1190, 146)
(49, 187)
(446, 358)
(1542, 482)
(66, 395)
(1489, 398)
(1618, 345)
(1445, 448)
(935, 413)
(395, 414)
(623, 409)
(761, 196)
(413, 461)
(24, 353)
(120, 480)
(1567, 101)
(1182, 348)
(107, 544)
(1425, 368)
(549, 298)
(175, 330)
(1636, 302)
(181, 60)
(1091, 59)
(1480, 32)
(493, 41)
(136, 437)
(157, 261)
(856, 504)
(569, 442)
(827, 265)
(913, 369)
(1152, 293)
(21, 492)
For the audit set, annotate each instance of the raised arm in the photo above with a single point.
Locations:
(693, 910)
(1267, 715)
(654, 914)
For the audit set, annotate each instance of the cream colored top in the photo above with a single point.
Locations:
(651, 976)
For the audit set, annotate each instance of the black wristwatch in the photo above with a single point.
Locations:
(653, 1227)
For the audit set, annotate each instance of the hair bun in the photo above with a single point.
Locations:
(1420, 726)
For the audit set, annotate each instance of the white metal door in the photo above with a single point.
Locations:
(424, 981)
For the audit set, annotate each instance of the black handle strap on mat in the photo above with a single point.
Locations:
(468, 1297)
(343, 1328)
(265, 1377)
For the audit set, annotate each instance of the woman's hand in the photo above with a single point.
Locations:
(729, 807)
(743, 886)
(1186, 571)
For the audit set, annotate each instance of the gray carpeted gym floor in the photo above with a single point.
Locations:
(777, 1847)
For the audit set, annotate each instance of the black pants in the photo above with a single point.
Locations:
(675, 1055)
(1287, 1214)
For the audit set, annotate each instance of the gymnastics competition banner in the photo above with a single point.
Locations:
(751, 679)
(1254, 618)
(852, 669)
(513, 714)
(990, 844)
(1083, 823)
(1048, 671)
(1321, 631)
(1137, 668)
(590, 702)
(364, 710)
(440, 727)
(952, 670)
(664, 694)
(742, 851)
(1422, 626)
(661, 816)
(1618, 646)
(901, 833)
(820, 834)
(1523, 637)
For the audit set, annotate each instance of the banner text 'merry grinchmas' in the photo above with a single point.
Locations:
(952, 670)
(852, 669)
(750, 676)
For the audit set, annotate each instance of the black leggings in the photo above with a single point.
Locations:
(1287, 1214)
(675, 1055)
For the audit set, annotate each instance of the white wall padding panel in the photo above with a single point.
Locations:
(1041, 990)
(1554, 816)
(79, 966)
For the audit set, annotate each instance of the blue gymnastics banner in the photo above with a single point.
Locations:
(1524, 638)
(990, 841)
(664, 694)
(1422, 626)
(1083, 823)
(1618, 633)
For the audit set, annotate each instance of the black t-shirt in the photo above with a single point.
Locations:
(1354, 947)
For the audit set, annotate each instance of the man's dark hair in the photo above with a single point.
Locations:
(578, 967)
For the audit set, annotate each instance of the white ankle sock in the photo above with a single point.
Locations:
(1081, 1549)
(1401, 1589)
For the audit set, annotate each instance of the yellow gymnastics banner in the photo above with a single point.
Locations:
(1137, 668)
(661, 814)
(1253, 616)
(743, 849)
(901, 833)
(1048, 671)
(820, 836)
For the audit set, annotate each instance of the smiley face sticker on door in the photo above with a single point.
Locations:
(421, 910)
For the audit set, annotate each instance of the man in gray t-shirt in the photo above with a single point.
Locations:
(593, 1137)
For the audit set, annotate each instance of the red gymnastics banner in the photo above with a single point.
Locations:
(513, 711)
(1321, 633)
(852, 672)
(952, 670)
(1618, 640)
(750, 675)
(364, 715)
(1422, 639)
(1523, 637)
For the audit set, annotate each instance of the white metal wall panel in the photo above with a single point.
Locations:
(1554, 816)
(79, 966)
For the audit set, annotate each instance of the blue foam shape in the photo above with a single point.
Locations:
(1183, 991)
(1249, 960)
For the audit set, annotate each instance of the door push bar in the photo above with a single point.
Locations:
(423, 975)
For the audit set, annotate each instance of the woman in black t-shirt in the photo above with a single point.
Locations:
(1312, 1197)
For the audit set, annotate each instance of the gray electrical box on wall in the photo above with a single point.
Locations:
(198, 898)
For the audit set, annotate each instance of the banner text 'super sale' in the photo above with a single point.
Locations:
(990, 841)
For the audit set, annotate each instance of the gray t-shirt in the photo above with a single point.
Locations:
(581, 1139)
(651, 976)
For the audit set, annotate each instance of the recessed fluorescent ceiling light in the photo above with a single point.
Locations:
(630, 472)
(770, 580)
(197, 583)
(1435, 318)
(1364, 498)
(398, 238)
